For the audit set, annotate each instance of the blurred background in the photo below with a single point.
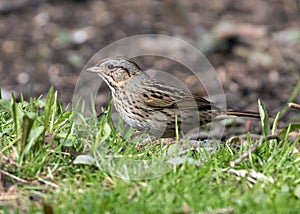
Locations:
(253, 45)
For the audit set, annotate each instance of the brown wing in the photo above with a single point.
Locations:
(158, 100)
(204, 104)
(170, 97)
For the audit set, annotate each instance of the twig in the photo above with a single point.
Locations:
(127, 156)
(220, 211)
(245, 155)
(13, 176)
(55, 152)
(273, 137)
(8, 197)
(294, 105)
(253, 149)
(49, 183)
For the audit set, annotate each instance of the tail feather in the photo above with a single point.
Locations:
(243, 114)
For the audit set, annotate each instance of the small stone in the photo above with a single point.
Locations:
(82, 35)
(41, 19)
(23, 78)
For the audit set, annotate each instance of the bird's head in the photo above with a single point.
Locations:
(116, 71)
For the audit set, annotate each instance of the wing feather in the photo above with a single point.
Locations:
(171, 97)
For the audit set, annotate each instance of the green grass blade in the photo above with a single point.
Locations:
(27, 124)
(53, 112)
(62, 119)
(16, 115)
(290, 128)
(35, 133)
(4, 104)
(275, 123)
(265, 124)
(48, 108)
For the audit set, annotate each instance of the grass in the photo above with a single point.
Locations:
(45, 167)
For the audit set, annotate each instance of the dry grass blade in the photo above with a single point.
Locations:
(13, 176)
(294, 105)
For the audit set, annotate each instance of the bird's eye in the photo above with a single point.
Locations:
(110, 66)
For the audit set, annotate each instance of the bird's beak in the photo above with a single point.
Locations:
(94, 69)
